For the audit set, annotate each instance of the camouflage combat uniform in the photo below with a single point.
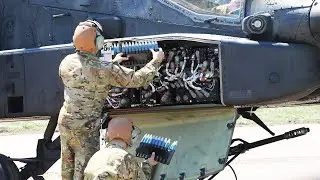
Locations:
(114, 163)
(87, 81)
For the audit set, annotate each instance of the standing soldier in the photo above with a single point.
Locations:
(87, 82)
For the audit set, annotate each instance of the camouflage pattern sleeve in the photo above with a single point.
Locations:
(147, 169)
(125, 77)
(129, 169)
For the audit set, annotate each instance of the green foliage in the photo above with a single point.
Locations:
(286, 115)
(271, 116)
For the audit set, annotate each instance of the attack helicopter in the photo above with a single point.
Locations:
(224, 60)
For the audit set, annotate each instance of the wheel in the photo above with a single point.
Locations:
(8, 169)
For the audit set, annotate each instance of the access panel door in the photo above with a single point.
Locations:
(13, 85)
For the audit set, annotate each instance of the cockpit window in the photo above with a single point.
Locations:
(230, 8)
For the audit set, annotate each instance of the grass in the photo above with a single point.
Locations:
(286, 115)
(20, 127)
(270, 116)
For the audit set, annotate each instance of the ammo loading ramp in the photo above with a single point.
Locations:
(199, 114)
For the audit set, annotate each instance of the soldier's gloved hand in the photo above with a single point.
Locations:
(151, 160)
(119, 58)
(158, 56)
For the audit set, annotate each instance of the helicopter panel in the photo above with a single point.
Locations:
(217, 12)
(14, 86)
(230, 71)
(255, 6)
(158, 12)
(3, 96)
(263, 73)
(99, 6)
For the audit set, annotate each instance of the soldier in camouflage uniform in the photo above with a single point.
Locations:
(113, 161)
(86, 84)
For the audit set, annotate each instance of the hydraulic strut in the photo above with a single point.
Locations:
(252, 116)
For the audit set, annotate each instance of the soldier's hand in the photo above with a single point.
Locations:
(158, 56)
(152, 162)
(119, 58)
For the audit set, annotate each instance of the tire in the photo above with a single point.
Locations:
(8, 169)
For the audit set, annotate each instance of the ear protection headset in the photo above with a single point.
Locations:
(135, 132)
(99, 40)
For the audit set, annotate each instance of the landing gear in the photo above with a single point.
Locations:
(48, 152)
(248, 113)
(8, 169)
